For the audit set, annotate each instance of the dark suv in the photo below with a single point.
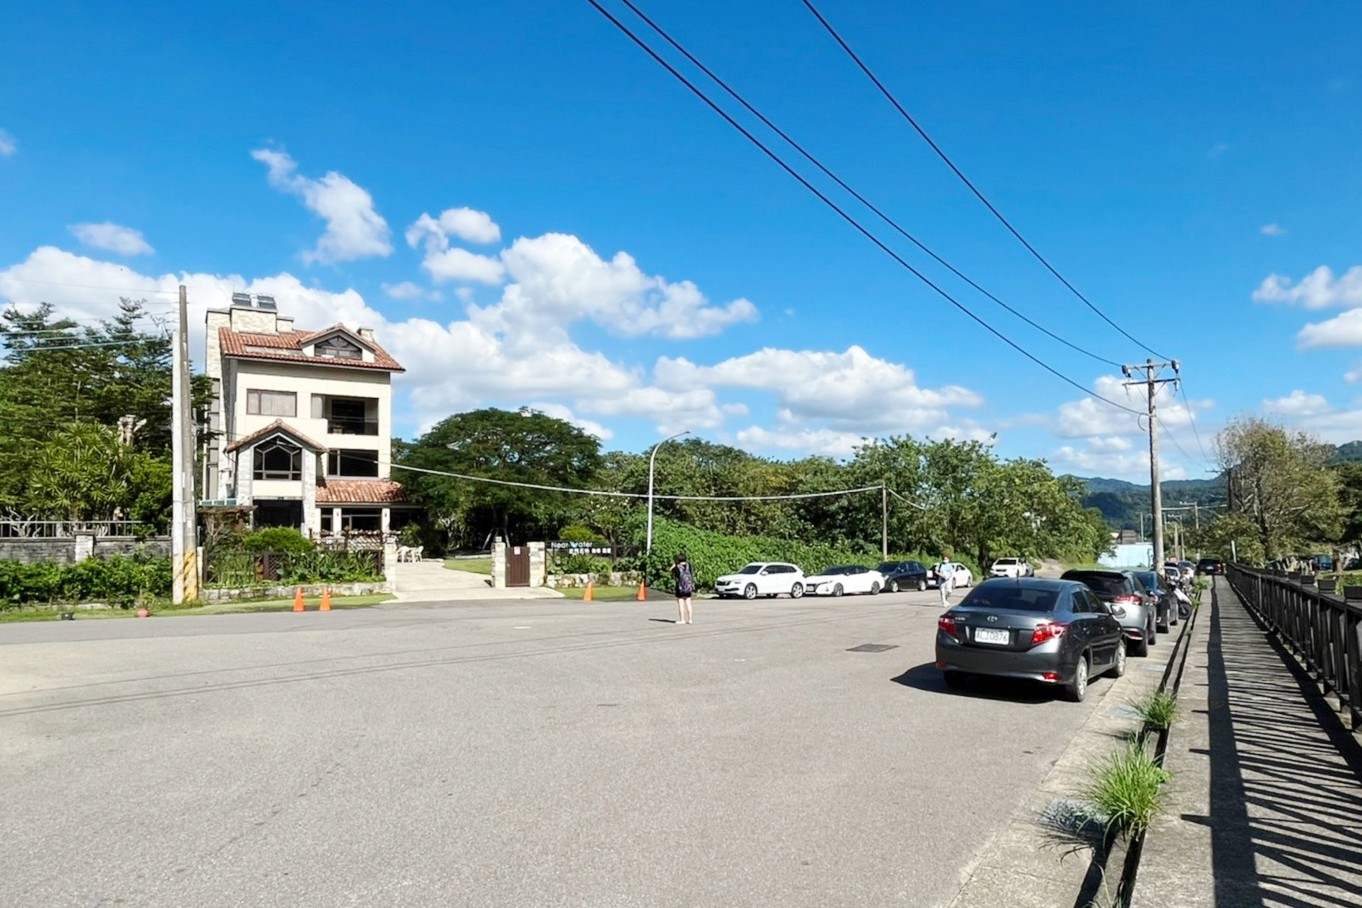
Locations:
(1130, 602)
(1210, 566)
(903, 575)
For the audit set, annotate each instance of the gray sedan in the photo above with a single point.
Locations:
(1052, 631)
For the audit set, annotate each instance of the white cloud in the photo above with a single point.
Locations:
(1272, 230)
(407, 290)
(1217, 150)
(822, 442)
(7, 144)
(1111, 444)
(852, 391)
(354, 229)
(1345, 330)
(467, 224)
(462, 265)
(112, 237)
(1317, 290)
(1298, 404)
(556, 279)
(1089, 416)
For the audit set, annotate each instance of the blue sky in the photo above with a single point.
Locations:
(529, 211)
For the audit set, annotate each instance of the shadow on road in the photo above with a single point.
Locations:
(928, 677)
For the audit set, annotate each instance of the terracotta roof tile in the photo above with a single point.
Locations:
(280, 426)
(289, 346)
(360, 491)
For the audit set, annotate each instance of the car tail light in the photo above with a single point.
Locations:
(948, 624)
(1126, 600)
(1051, 630)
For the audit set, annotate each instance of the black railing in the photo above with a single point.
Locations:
(1323, 628)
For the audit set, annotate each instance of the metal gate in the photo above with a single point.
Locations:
(518, 565)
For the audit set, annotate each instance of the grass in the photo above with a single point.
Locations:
(1127, 789)
(472, 565)
(1158, 710)
(165, 609)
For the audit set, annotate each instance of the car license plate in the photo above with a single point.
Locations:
(990, 635)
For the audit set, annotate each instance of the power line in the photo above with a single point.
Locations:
(959, 173)
(856, 225)
(1191, 418)
(609, 494)
(733, 93)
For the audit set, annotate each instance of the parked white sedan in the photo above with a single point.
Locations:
(844, 578)
(762, 578)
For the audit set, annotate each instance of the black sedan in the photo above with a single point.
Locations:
(1213, 566)
(1051, 631)
(903, 575)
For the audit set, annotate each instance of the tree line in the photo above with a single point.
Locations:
(917, 495)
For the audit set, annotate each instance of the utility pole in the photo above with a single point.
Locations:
(184, 538)
(884, 522)
(1151, 379)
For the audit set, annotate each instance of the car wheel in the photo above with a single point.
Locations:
(922, 585)
(837, 589)
(874, 587)
(1153, 633)
(893, 586)
(797, 591)
(750, 592)
(1077, 689)
(1118, 666)
(1141, 648)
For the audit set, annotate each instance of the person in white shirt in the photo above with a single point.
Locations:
(945, 579)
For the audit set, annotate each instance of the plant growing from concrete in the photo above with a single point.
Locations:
(1126, 789)
(1157, 710)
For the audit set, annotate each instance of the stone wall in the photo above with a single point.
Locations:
(65, 550)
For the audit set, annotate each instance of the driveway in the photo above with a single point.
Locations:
(431, 581)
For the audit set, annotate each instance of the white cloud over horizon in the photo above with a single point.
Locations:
(1343, 330)
(354, 228)
(112, 238)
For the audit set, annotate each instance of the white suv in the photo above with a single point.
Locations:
(762, 578)
(1012, 567)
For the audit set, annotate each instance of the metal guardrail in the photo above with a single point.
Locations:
(1323, 628)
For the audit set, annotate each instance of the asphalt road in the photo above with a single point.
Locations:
(544, 753)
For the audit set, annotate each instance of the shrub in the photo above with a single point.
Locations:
(1127, 789)
(276, 539)
(120, 580)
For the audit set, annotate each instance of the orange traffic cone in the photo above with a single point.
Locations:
(642, 592)
(589, 595)
(326, 600)
(298, 600)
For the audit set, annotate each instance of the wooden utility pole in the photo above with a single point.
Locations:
(884, 522)
(1151, 371)
(184, 536)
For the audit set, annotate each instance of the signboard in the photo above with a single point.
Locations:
(564, 547)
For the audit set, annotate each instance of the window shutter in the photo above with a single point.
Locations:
(318, 406)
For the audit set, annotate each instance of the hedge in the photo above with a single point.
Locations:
(119, 580)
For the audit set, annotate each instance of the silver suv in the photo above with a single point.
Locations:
(1011, 567)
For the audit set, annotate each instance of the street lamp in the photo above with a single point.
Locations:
(652, 459)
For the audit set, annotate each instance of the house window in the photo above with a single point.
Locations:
(278, 459)
(347, 415)
(361, 520)
(352, 463)
(339, 348)
(271, 403)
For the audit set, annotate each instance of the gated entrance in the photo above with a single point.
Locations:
(518, 565)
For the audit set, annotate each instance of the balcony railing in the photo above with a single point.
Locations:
(351, 425)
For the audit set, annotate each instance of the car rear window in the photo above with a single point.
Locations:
(1102, 585)
(1011, 598)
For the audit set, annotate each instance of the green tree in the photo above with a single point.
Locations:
(523, 446)
(1281, 483)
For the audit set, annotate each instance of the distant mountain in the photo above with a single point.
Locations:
(1348, 453)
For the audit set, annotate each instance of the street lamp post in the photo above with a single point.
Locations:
(652, 459)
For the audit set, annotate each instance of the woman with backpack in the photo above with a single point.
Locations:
(685, 587)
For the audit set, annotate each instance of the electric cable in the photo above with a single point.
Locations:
(959, 173)
(856, 225)
(733, 93)
(1191, 418)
